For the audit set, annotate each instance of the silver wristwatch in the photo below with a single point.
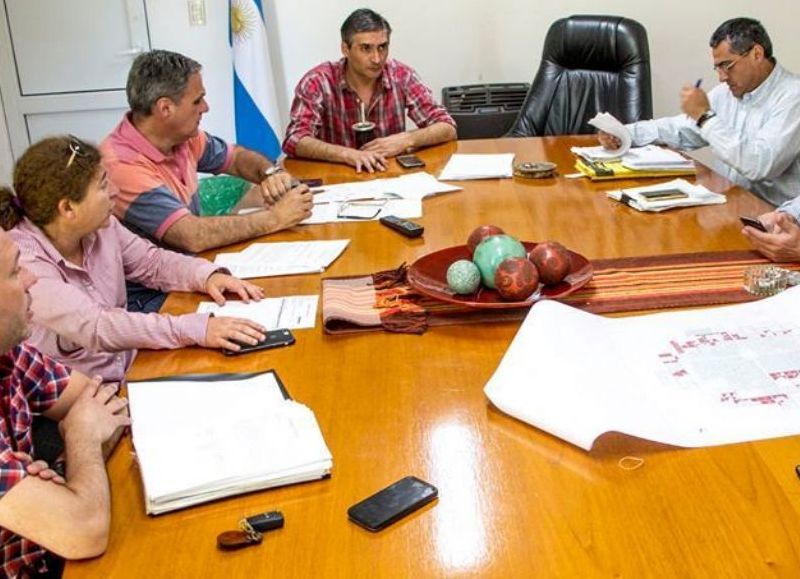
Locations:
(272, 170)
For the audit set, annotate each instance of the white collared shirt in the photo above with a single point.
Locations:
(755, 139)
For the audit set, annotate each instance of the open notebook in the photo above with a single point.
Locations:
(204, 437)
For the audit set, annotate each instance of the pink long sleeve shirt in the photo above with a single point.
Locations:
(79, 312)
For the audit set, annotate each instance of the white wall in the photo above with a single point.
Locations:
(168, 21)
(453, 42)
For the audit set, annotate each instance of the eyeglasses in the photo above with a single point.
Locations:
(727, 65)
(77, 148)
(363, 209)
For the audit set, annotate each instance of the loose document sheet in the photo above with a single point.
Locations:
(676, 193)
(695, 378)
(282, 258)
(610, 124)
(290, 312)
(464, 167)
(369, 200)
(204, 439)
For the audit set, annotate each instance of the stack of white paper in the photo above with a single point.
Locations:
(464, 167)
(290, 312)
(282, 258)
(197, 440)
(653, 158)
(669, 195)
(694, 378)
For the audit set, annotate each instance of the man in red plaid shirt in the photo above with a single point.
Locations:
(44, 516)
(328, 101)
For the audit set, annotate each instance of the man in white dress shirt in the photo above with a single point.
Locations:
(751, 120)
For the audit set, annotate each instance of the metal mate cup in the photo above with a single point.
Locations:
(364, 132)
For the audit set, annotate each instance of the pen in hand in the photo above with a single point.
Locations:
(698, 83)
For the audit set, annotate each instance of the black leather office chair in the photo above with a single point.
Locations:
(590, 64)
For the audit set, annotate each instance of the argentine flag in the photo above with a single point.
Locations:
(253, 91)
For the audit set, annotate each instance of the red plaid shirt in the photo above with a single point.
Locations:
(30, 383)
(326, 108)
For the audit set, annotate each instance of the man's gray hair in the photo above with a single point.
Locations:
(742, 34)
(156, 74)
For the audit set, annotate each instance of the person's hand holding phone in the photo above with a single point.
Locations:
(754, 223)
(229, 333)
(781, 241)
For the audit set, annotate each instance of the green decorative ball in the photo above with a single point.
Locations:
(463, 276)
(492, 251)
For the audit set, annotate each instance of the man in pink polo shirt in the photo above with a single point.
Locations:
(152, 158)
(154, 154)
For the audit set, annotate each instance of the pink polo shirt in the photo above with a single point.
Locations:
(79, 312)
(154, 190)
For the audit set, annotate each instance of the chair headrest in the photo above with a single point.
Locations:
(596, 42)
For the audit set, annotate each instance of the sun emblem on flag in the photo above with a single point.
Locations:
(243, 20)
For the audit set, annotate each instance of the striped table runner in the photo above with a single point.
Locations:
(383, 301)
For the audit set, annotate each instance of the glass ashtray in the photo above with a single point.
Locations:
(767, 280)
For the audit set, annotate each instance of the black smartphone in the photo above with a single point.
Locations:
(663, 195)
(273, 339)
(392, 503)
(410, 161)
(753, 222)
(311, 182)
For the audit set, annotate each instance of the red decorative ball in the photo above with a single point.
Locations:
(552, 260)
(516, 279)
(481, 233)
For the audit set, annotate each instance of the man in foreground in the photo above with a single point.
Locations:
(45, 516)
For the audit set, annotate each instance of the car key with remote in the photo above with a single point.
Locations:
(403, 226)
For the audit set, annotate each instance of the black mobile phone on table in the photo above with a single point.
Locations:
(663, 195)
(410, 161)
(392, 503)
(273, 339)
(311, 182)
(754, 223)
(402, 226)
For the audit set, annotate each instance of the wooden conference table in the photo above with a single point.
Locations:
(514, 501)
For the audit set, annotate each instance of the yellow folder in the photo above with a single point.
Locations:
(616, 170)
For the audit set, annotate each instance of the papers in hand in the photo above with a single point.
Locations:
(464, 167)
(282, 258)
(203, 438)
(369, 200)
(675, 193)
(696, 378)
(607, 123)
(290, 312)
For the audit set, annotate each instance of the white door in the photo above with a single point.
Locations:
(63, 65)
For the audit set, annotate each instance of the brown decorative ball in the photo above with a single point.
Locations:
(516, 278)
(479, 234)
(552, 260)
